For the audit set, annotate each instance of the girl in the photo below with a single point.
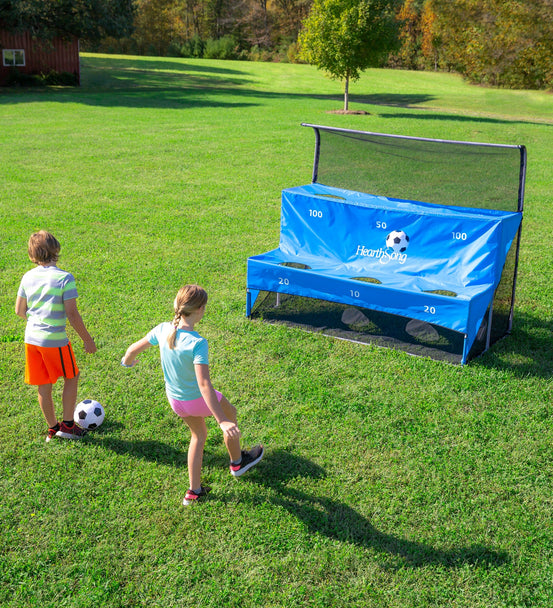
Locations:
(184, 360)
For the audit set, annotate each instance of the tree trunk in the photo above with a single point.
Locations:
(346, 94)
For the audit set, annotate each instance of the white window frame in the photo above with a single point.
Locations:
(17, 54)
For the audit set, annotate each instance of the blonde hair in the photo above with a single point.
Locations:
(189, 299)
(43, 247)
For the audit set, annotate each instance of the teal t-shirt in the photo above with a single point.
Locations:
(178, 363)
(46, 288)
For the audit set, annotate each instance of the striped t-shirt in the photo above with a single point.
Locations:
(46, 288)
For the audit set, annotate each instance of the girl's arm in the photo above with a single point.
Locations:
(21, 307)
(206, 388)
(130, 357)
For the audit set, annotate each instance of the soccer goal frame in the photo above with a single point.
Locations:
(479, 178)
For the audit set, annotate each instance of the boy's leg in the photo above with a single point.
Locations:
(46, 403)
(69, 398)
(68, 429)
(198, 437)
(232, 443)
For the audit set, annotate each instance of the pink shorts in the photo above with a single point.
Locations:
(196, 407)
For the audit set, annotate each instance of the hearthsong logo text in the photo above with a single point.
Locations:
(382, 255)
(396, 244)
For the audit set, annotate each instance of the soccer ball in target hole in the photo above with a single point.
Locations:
(397, 240)
(89, 414)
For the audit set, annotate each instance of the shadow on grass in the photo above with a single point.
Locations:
(150, 450)
(526, 351)
(145, 64)
(323, 515)
(428, 115)
(142, 83)
(178, 87)
(163, 82)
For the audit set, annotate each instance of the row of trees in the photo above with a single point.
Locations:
(226, 29)
(497, 42)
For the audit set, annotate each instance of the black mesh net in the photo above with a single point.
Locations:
(432, 171)
(360, 325)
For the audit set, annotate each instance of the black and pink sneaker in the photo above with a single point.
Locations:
(72, 431)
(249, 459)
(192, 497)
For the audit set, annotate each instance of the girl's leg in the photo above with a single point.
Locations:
(69, 398)
(198, 431)
(46, 403)
(232, 443)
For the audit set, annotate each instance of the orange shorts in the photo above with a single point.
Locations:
(45, 364)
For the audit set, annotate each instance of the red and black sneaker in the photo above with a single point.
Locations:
(192, 497)
(70, 431)
(52, 432)
(249, 459)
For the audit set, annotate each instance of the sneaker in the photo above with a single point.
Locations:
(52, 432)
(249, 459)
(192, 497)
(70, 432)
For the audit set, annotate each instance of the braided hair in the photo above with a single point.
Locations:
(189, 299)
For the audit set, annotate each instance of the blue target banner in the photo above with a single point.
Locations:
(438, 264)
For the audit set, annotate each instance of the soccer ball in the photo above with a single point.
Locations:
(89, 414)
(397, 240)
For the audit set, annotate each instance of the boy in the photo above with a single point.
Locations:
(47, 298)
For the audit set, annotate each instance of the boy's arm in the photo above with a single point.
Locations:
(77, 323)
(129, 358)
(21, 307)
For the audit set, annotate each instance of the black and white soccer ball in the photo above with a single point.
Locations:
(397, 240)
(89, 414)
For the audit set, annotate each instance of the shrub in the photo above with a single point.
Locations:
(221, 48)
(259, 54)
(51, 78)
(194, 47)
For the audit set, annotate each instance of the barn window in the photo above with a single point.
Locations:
(13, 57)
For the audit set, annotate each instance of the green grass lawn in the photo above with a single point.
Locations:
(389, 480)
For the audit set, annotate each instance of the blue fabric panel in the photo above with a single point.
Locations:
(461, 313)
(452, 245)
(343, 235)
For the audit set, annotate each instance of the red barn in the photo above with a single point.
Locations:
(21, 52)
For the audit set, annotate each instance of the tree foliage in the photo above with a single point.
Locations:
(259, 29)
(87, 19)
(508, 42)
(497, 42)
(345, 37)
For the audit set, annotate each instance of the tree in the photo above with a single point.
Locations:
(409, 34)
(345, 37)
(431, 40)
(88, 19)
(498, 42)
(157, 24)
